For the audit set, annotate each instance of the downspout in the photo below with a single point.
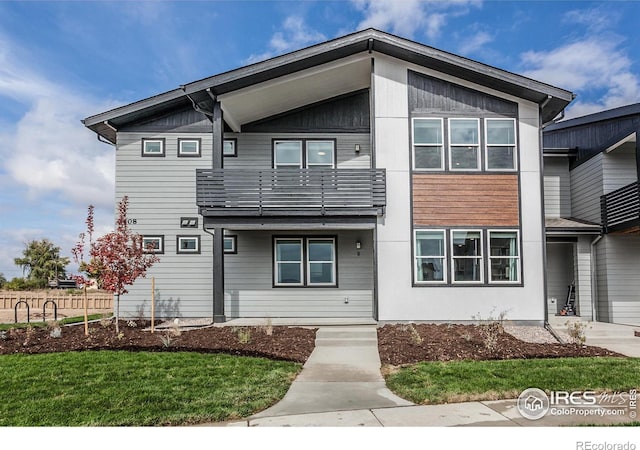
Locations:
(194, 104)
(594, 278)
(204, 228)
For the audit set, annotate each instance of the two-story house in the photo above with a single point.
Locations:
(368, 177)
(592, 208)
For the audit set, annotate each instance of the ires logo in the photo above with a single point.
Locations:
(575, 398)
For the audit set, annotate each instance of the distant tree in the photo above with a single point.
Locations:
(117, 259)
(3, 280)
(41, 262)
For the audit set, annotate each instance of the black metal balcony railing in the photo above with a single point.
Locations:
(224, 192)
(621, 208)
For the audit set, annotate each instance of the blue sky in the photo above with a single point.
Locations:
(63, 61)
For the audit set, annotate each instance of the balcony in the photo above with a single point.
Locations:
(291, 192)
(621, 209)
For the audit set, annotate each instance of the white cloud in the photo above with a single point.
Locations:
(475, 43)
(408, 17)
(294, 34)
(595, 19)
(594, 65)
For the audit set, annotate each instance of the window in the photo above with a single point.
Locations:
(153, 244)
(230, 147)
(189, 147)
(188, 222)
(428, 148)
(430, 256)
(188, 244)
(288, 262)
(466, 256)
(287, 154)
(504, 257)
(152, 147)
(305, 261)
(317, 154)
(500, 144)
(321, 267)
(320, 154)
(464, 144)
(230, 244)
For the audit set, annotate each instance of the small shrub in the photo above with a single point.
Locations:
(132, 324)
(3, 335)
(575, 330)
(56, 332)
(29, 332)
(268, 327)
(490, 329)
(105, 322)
(120, 336)
(244, 335)
(166, 339)
(415, 336)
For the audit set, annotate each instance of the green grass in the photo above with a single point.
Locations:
(113, 388)
(444, 382)
(65, 321)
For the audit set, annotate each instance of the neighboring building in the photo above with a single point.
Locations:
(592, 209)
(368, 177)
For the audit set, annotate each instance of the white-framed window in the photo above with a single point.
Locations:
(321, 261)
(466, 256)
(188, 244)
(320, 154)
(230, 147)
(504, 256)
(428, 144)
(231, 244)
(500, 144)
(189, 147)
(430, 256)
(464, 144)
(288, 262)
(287, 154)
(153, 244)
(152, 147)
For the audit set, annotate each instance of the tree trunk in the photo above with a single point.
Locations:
(118, 313)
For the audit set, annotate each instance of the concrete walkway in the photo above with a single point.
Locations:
(614, 337)
(341, 386)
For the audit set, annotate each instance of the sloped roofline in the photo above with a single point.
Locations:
(552, 99)
(615, 113)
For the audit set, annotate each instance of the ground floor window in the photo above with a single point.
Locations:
(460, 256)
(305, 261)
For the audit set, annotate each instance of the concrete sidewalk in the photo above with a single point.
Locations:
(341, 386)
(614, 337)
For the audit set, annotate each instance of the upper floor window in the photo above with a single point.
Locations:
(230, 147)
(152, 147)
(500, 144)
(304, 154)
(464, 144)
(428, 144)
(189, 147)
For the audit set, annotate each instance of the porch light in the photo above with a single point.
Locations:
(358, 245)
(357, 148)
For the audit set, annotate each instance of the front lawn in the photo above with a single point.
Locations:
(113, 388)
(459, 381)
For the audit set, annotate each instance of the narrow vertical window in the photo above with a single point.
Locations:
(501, 144)
(321, 265)
(504, 257)
(231, 244)
(466, 256)
(288, 262)
(430, 256)
(464, 144)
(428, 149)
(287, 154)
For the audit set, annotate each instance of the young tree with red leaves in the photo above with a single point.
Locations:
(118, 258)
(78, 257)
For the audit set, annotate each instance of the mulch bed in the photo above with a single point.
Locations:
(408, 344)
(284, 343)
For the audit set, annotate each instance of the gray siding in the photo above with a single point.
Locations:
(560, 274)
(618, 281)
(586, 189)
(619, 167)
(249, 290)
(255, 150)
(161, 190)
(557, 187)
(582, 277)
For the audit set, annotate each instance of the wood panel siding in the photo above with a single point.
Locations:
(465, 200)
(432, 95)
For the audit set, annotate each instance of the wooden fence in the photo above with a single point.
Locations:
(36, 299)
